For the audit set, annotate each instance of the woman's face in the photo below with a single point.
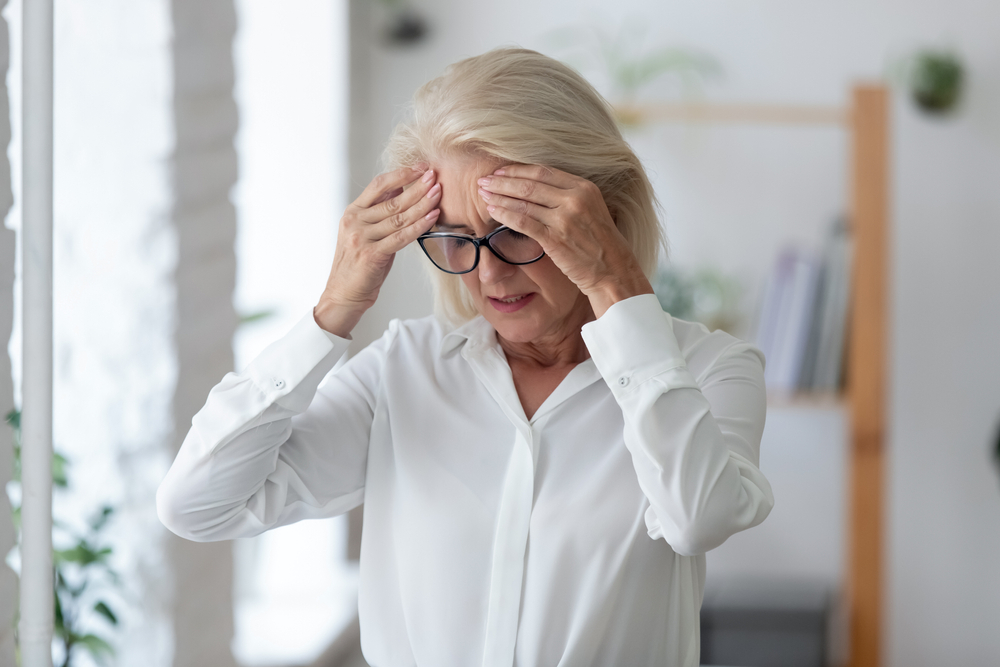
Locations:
(532, 303)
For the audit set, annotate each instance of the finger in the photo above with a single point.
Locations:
(401, 238)
(520, 222)
(412, 215)
(540, 213)
(385, 196)
(536, 172)
(527, 189)
(384, 183)
(400, 202)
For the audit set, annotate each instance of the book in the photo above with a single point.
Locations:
(787, 317)
(831, 321)
(803, 318)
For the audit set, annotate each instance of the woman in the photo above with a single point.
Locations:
(544, 465)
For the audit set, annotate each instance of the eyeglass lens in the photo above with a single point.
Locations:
(457, 254)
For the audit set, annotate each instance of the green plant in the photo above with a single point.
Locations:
(628, 64)
(705, 296)
(935, 80)
(256, 316)
(80, 568)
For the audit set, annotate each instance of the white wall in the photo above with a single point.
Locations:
(732, 195)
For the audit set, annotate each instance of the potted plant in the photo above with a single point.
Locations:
(82, 569)
(935, 80)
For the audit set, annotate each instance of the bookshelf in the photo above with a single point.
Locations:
(865, 121)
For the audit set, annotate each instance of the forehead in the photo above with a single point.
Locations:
(462, 209)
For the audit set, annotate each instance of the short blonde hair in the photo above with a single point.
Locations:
(514, 105)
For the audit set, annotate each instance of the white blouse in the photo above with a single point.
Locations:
(575, 537)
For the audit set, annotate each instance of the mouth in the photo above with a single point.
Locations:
(509, 304)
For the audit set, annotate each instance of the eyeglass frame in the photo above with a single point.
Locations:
(478, 242)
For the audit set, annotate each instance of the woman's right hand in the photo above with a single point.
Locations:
(391, 213)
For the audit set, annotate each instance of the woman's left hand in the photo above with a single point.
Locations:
(567, 215)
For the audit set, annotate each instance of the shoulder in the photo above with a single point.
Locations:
(704, 350)
(421, 336)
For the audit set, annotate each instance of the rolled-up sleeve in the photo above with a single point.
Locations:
(694, 442)
(268, 449)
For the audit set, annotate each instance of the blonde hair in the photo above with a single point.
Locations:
(514, 105)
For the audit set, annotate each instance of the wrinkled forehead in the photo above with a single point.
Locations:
(462, 209)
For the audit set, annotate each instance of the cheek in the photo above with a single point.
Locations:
(471, 282)
(551, 280)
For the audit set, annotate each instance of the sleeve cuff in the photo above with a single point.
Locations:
(290, 369)
(634, 341)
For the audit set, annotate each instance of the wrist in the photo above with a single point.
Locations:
(337, 318)
(611, 292)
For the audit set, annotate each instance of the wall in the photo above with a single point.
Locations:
(204, 169)
(8, 581)
(732, 195)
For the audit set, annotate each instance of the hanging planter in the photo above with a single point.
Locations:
(935, 80)
(405, 25)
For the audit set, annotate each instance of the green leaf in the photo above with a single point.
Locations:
(105, 611)
(97, 523)
(257, 316)
(97, 647)
(59, 467)
(60, 463)
(60, 623)
(82, 553)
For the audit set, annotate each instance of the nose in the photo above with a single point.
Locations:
(492, 269)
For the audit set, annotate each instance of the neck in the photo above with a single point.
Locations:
(563, 347)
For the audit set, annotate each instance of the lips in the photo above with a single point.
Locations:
(511, 303)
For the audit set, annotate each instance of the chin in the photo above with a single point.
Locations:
(513, 327)
(516, 334)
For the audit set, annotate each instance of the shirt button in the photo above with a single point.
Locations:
(279, 384)
(623, 381)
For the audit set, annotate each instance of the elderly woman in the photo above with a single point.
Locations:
(545, 463)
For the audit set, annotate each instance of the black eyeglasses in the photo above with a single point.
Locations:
(459, 253)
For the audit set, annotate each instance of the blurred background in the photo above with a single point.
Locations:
(205, 150)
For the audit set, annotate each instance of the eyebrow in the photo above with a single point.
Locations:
(455, 227)
(452, 226)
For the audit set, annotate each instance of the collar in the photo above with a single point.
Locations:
(477, 332)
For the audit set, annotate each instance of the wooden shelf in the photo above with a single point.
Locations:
(732, 113)
(866, 122)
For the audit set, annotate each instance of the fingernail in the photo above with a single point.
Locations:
(428, 176)
(435, 191)
(433, 214)
(499, 172)
(485, 181)
(484, 194)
